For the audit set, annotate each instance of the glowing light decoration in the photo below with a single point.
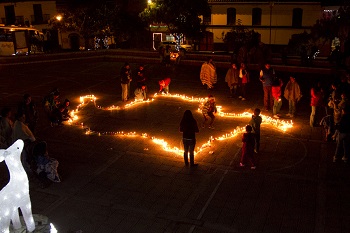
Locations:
(277, 123)
(16, 193)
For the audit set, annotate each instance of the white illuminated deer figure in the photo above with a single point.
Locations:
(16, 193)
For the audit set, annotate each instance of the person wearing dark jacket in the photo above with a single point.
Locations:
(28, 107)
(189, 128)
(125, 79)
(255, 123)
(267, 75)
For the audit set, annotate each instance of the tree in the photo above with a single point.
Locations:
(331, 25)
(182, 17)
(90, 20)
(98, 19)
(240, 36)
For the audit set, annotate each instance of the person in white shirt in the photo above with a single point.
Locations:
(21, 130)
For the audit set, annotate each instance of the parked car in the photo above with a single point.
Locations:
(186, 47)
(173, 47)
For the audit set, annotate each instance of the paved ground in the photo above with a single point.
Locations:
(130, 184)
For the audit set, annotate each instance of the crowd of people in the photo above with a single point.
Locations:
(21, 124)
(141, 91)
(329, 108)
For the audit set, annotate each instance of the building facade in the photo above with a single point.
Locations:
(275, 21)
(27, 13)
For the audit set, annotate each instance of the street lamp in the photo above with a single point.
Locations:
(59, 18)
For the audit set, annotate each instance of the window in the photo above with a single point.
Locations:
(38, 14)
(10, 15)
(207, 18)
(256, 16)
(297, 17)
(231, 16)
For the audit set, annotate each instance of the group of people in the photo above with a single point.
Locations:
(237, 78)
(250, 139)
(22, 125)
(337, 107)
(331, 109)
(140, 93)
(336, 121)
(272, 87)
(56, 111)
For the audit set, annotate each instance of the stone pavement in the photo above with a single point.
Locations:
(130, 184)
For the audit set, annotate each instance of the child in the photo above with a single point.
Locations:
(164, 85)
(328, 125)
(45, 165)
(248, 140)
(255, 123)
(276, 94)
(208, 110)
(140, 93)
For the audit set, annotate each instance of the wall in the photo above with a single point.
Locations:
(25, 9)
(281, 20)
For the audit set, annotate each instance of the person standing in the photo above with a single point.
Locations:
(232, 79)
(255, 123)
(293, 94)
(316, 103)
(208, 74)
(248, 148)
(244, 77)
(343, 137)
(334, 102)
(267, 75)
(167, 55)
(125, 79)
(189, 128)
(276, 94)
(161, 51)
(208, 110)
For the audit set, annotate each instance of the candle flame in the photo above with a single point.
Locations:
(84, 100)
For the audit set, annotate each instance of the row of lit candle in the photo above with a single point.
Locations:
(279, 124)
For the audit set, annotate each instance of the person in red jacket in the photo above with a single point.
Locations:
(276, 95)
(248, 140)
(164, 85)
(316, 103)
